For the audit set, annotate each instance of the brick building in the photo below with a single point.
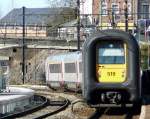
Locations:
(144, 9)
(107, 13)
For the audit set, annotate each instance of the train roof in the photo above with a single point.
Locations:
(65, 57)
(111, 34)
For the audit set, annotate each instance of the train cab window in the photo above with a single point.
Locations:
(70, 68)
(111, 53)
(55, 68)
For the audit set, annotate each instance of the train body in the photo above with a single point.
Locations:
(64, 70)
(108, 69)
(111, 68)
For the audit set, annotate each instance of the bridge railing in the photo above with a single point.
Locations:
(16, 31)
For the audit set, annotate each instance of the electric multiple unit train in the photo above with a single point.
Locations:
(108, 70)
(64, 71)
(111, 68)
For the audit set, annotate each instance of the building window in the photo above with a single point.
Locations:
(104, 11)
(115, 8)
(129, 8)
(145, 11)
(39, 28)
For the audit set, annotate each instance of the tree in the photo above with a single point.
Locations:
(62, 3)
(66, 15)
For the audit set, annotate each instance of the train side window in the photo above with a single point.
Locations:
(55, 68)
(70, 68)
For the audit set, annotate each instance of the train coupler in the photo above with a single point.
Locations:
(111, 97)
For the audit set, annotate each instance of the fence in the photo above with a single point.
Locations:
(89, 23)
(67, 32)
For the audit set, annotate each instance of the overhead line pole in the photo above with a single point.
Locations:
(78, 24)
(23, 46)
(126, 15)
(113, 19)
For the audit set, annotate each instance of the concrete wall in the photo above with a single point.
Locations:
(34, 64)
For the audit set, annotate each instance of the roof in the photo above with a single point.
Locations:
(4, 58)
(64, 57)
(32, 16)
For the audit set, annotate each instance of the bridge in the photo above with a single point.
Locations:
(39, 42)
(57, 39)
(45, 43)
(35, 38)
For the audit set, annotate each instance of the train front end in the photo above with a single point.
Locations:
(111, 68)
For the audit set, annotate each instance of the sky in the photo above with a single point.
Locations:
(8, 5)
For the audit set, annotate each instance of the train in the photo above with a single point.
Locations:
(112, 73)
(64, 71)
(107, 70)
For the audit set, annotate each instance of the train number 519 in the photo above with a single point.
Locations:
(111, 73)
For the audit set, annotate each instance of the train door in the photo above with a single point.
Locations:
(111, 62)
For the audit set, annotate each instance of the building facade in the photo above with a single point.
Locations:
(111, 13)
(86, 9)
(143, 9)
(39, 22)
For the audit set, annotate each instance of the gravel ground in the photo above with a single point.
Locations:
(81, 110)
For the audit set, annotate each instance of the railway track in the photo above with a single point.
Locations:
(46, 107)
(62, 105)
(116, 113)
(104, 113)
(40, 101)
(108, 113)
(80, 111)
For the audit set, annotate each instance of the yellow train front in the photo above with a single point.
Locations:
(111, 68)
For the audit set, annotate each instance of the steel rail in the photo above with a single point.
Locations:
(27, 111)
(63, 107)
(46, 103)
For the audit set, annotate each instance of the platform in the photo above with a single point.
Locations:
(15, 98)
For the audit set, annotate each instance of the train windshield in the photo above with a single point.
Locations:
(111, 53)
